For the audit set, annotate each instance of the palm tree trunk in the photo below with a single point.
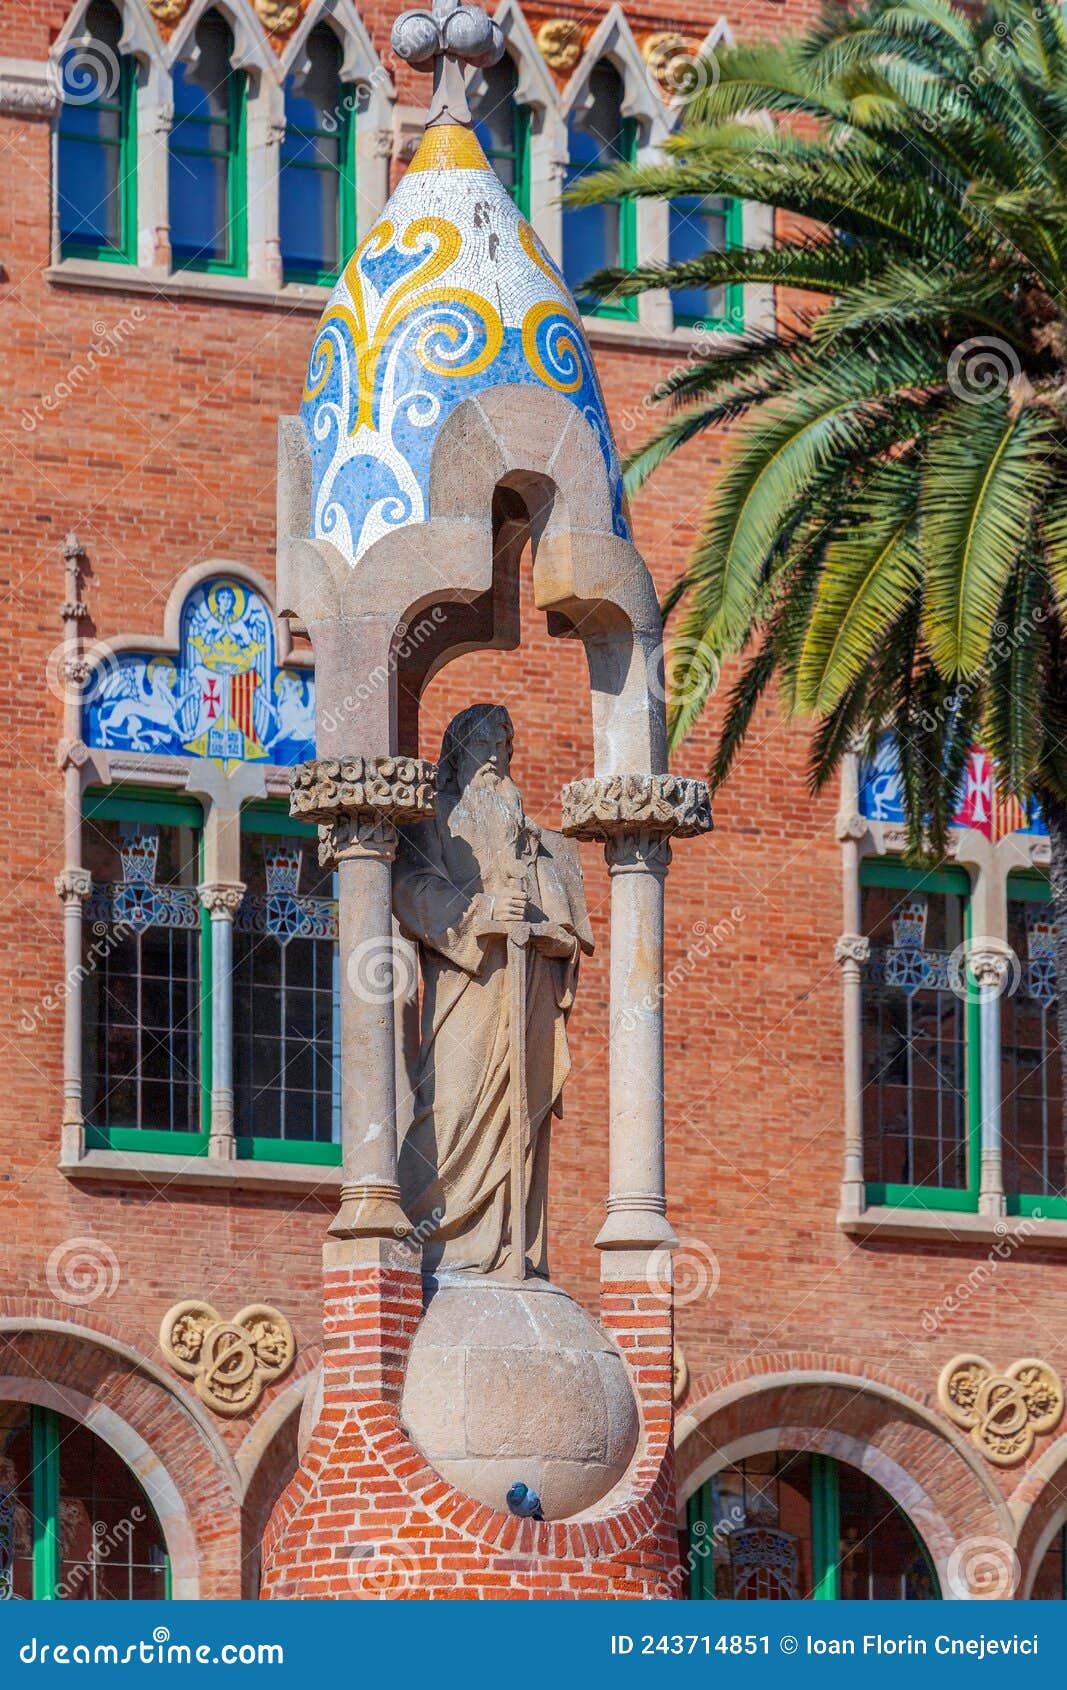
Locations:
(1055, 814)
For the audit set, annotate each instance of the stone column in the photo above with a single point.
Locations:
(73, 886)
(359, 802)
(636, 816)
(990, 970)
(851, 953)
(222, 900)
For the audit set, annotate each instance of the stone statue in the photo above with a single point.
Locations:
(497, 908)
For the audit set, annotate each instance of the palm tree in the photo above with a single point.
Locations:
(888, 540)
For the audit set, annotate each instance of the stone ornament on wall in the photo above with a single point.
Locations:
(560, 43)
(229, 1361)
(278, 17)
(595, 809)
(661, 53)
(397, 789)
(168, 11)
(1003, 1412)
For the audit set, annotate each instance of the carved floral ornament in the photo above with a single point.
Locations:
(667, 57)
(229, 1361)
(665, 804)
(168, 11)
(279, 17)
(396, 789)
(1003, 1412)
(560, 43)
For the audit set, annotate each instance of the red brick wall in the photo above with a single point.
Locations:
(166, 458)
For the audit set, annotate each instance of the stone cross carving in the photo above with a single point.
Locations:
(496, 906)
(444, 39)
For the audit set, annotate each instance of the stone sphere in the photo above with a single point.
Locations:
(515, 1382)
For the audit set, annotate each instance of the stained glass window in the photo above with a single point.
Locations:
(285, 993)
(141, 956)
(207, 186)
(75, 1524)
(317, 177)
(1031, 1109)
(502, 126)
(915, 1036)
(781, 1527)
(599, 236)
(97, 175)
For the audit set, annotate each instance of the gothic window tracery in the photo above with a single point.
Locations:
(96, 158)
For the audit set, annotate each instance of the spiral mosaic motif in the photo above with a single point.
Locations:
(449, 294)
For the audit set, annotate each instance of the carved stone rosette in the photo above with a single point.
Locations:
(168, 11)
(1003, 1412)
(278, 17)
(636, 816)
(229, 1361)
(359, 802)
(560, 43)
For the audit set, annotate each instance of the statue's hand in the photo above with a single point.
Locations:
(509, 906)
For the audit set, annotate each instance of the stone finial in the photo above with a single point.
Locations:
(444, 39)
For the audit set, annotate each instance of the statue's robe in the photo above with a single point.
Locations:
(455, 1161)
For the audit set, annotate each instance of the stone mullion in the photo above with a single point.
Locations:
(989, 967)
(222, 900)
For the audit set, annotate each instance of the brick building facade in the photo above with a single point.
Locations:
(814, 1316)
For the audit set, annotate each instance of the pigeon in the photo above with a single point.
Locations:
(524, 1502)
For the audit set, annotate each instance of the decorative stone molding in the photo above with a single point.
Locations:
(641, 851)
(679, 1374)
(353, 837)
(654, 804)
(73, 883)
(27, 89)
(72, 754)
(278, 17)
(168, 11)
(76, 670)
(221, 899)
(229, 1361)
(852, 947)
(400, 790)
(1002, 1411)
(991, 968)
(661, 52)
(560, 43)
(849, 824)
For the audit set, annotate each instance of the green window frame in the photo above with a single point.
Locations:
(881, 871)
(518, 156)
(129, 804)
(46, 1436)
(235, 154)
(625, 310)
(124, 104)
(732, 319)
(345, 170)
(270, 817)
(825, 1535)
(1032, 887)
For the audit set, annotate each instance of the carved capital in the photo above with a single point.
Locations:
(75, 670)
(639, 851)
(991, 968)
(353, 837)
(73, 883)
(852, 947)
(633, 804)
(400, 790)
(222, 900)
(72, 754)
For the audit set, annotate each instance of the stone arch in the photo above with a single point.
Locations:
(1039, 1504)
(847, 1409)
(162, 1433)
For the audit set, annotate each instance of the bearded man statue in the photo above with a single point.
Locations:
(461, 881)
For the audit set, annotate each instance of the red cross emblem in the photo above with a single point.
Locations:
(212, 700)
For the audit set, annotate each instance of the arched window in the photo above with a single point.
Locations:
(144, 945)
(781, 1527)
(286, 1001)
(698, 226)
(599, 236)
(207, 156)
(502, 126)
(318, 185)
(97, 153)
(75, 1524)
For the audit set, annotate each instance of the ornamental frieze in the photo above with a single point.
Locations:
(1003, 1412)
(668, 804)
(396, 789)
(228, 1361)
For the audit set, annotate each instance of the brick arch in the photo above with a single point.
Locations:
(860, 1414)
(267, 1461)
(162, 1434)
(1039, 1504)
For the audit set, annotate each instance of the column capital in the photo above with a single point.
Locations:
(849, 824)
(74, 884)
(991, 966)
(636, 816)
(222, 899)
(359, 802)
(852, 947)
